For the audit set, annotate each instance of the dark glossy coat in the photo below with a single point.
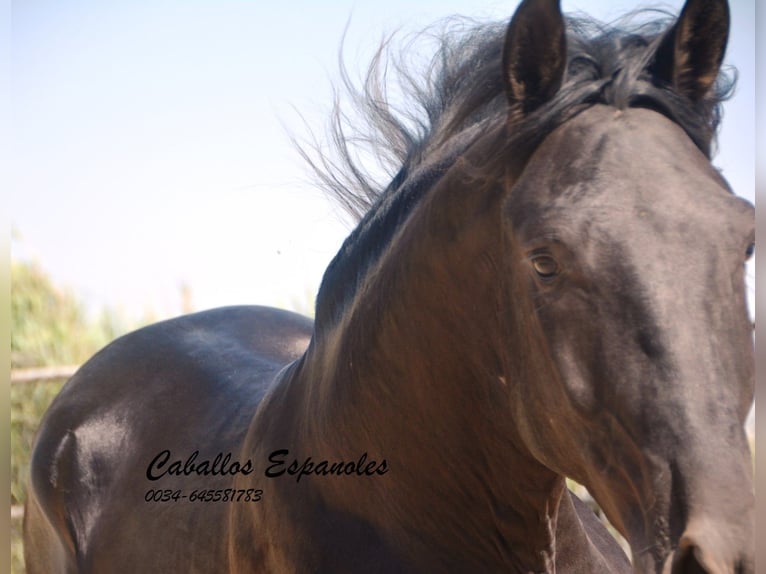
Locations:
(551, 287)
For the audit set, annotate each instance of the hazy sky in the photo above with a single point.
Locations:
(151, 147)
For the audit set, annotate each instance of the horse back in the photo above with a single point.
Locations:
(184, 386)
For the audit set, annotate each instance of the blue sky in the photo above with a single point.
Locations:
(151, 147)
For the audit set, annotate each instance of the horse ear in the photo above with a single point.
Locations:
(534, 57)
(690, 54)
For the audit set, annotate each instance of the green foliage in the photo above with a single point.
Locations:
(17, 548)
(48, 325)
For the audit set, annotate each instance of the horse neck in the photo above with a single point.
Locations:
(418, 372)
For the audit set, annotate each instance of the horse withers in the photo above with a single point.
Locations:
(552, 286)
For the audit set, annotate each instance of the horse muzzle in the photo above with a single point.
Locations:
(699, 517)
(704, 549)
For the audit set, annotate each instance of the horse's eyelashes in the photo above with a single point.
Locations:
(750, 251)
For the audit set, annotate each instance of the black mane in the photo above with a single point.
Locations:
(462, 87)
(452, 100)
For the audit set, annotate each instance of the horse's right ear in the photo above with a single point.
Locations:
(534, 58)
(690, 54)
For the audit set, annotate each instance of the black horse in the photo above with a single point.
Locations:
(552, 286)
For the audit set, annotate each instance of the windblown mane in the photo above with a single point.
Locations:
(457, 97)
(462, 88)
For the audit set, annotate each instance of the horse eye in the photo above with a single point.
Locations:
(545, 266)
(749, 251)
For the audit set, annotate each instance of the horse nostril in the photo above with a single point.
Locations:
(745, 567)
(687, 561)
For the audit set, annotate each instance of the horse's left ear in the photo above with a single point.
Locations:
(690, 54)
(534, 58)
